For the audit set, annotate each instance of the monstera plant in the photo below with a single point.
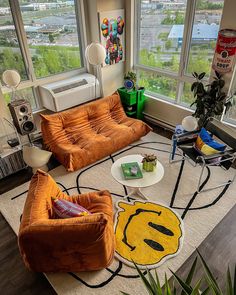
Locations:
(210, 100)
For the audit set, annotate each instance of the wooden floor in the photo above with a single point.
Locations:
(219, 249)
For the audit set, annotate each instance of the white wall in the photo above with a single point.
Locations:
(112, 76)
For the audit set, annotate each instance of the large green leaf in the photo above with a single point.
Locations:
(186, 288)
(145, 281)
(212, 283)
(155, 286)
(234, 280)
(197, 288)
(167, 287)
(229, 286)
(190, 274)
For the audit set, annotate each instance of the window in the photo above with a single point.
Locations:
(41, 40)
(10, 52)
(175, 38)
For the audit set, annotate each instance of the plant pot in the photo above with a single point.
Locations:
(149, 166)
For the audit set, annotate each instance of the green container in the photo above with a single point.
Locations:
(128, 97)
(140, 102)
(149, 166)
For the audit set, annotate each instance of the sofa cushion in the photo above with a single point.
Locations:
(85, 134)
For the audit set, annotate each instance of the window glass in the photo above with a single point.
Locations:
(204, 35)
(26, 93)
(187, 95)
(157, 84)
(51, 30)
(10, 53)
(161, 33)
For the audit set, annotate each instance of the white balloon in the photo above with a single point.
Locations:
(11, 78)
(189, 123)
(95, 54)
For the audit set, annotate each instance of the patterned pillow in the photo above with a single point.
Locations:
(65, 209)
(207, 145)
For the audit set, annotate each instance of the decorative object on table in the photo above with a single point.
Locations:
(130, 79)
(95, 55)
(36, 157)
(11, 79)
(210, 100)
(134, 99)
(224, 57)
(131, 170)
(112, 35)
(149, 162)
(147, 233)
(22, 116)
(189, 123)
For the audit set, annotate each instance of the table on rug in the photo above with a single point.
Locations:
(135, 185)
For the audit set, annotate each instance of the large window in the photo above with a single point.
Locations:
(41, 39)
(174, 39)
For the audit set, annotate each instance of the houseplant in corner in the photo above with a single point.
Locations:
(210, 100)
(153, 286)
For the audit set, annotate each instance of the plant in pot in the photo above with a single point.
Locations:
(130, 79)
(210, 100)
(206, 284)
(149, 162)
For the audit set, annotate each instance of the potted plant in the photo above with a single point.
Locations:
(149, 162)
(130, 76)
(210, 100)
(152, 283)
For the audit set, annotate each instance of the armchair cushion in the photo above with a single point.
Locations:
(74, 244)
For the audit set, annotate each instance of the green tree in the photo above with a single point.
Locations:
(51, 38)
(168, 44)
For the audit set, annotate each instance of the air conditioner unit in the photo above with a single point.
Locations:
(61, 95)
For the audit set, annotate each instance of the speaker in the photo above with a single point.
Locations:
(22, 116)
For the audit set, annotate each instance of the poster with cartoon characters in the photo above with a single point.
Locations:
(112, 34)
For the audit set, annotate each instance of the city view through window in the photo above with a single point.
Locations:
(50, 27)
(51, 31)
(161, 39)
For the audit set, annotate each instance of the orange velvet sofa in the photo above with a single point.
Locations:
(82, 135)
(62, 245)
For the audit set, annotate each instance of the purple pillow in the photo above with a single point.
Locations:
(66, 209)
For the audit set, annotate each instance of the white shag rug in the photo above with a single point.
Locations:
(204, 211)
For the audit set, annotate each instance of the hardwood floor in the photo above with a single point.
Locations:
(218, 249)
(15, 279)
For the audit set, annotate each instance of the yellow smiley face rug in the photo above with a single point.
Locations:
(147, 233)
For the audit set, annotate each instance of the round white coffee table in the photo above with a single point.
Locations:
(149, 178)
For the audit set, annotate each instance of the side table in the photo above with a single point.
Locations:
(135, 185)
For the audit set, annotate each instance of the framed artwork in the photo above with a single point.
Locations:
(112, 35)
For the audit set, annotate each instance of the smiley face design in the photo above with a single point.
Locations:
(146, 233)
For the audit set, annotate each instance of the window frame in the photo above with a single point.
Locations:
(32, 80)
(181, 75)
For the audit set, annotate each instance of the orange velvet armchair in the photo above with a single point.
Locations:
(85, 134)
(63, 245)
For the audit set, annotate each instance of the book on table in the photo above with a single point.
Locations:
(131, 170)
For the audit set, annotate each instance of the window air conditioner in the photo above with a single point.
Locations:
(61, 95)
